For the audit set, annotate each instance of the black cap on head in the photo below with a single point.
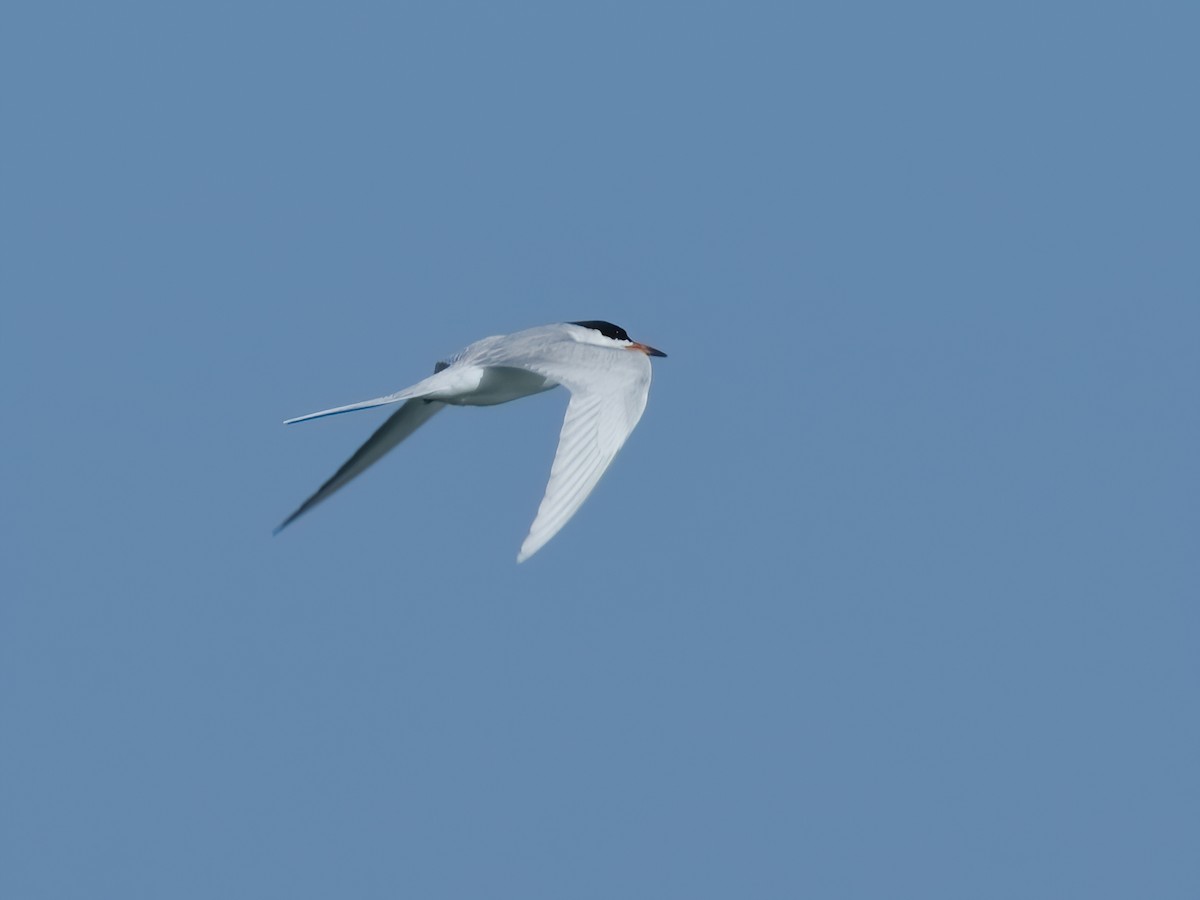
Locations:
(608, 329)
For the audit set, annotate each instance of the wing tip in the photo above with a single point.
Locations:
(530, 546)
(290, 519)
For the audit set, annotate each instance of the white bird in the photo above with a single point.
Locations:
(608, 385)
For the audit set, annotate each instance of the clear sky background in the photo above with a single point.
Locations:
(893, 593)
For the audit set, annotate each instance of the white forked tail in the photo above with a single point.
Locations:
(365, 404)
(436, 385)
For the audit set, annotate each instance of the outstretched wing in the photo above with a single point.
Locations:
(608, 394)
(399, 425)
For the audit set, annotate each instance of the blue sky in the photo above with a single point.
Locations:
(891, 594)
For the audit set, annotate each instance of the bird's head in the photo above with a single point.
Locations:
(607, 334)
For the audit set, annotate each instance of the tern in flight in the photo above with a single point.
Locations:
(607, 374)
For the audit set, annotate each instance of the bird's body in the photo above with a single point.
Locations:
(608, 385)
